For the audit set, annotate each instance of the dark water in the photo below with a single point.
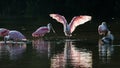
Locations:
(58, 53)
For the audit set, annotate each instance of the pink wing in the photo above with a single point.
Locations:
(59, 18)
(78, 20)
(40, 32)
(16, 35)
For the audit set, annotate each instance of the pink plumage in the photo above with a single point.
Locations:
(59, 18)
(15, 35)
(76, 21)
(41, 31)
(3, 32)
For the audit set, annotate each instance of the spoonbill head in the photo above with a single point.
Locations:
(76, 21)
(3, 32)
(41, 31)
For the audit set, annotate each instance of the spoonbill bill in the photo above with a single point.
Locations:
(76, 21)
(41, 31)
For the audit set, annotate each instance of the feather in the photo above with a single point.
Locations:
(59, 18)
(78, 20)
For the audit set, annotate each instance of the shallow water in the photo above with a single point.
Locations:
(57, 53)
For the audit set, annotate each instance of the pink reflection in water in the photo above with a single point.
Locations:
(14, 51)
(41, 46)
(72, 57)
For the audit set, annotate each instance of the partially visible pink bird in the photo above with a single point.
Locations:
(3, 32)
(41, 31)
(76, 21)
(15, 36)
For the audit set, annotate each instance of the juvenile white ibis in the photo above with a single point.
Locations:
(102, 29)
(108, 38)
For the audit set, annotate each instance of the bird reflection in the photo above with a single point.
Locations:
(105, 51)
(72, 57)
(14, 51)
(41, 46)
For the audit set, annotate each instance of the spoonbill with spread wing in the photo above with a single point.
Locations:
(76, 21)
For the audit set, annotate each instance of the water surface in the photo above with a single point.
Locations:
(57, 53)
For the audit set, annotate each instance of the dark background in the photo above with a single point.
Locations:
(105, 8)
(31, 14)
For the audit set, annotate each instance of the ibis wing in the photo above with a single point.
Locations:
(59, 18)
(78, 20)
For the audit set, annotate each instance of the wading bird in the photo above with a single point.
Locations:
(108, 38)
(15, 36)
(76, 21)
(106, 45)
(102, 29)
(3, 32)
(41, 31)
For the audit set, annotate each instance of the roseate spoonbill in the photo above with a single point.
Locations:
(41, 31)
(102, 29)
(76, 21)
(3, 32)
(15, 36)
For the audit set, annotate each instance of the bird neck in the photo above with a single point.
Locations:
(6, 38)
(49, 26)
